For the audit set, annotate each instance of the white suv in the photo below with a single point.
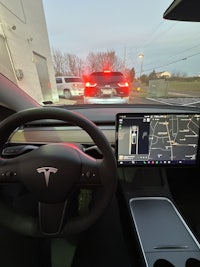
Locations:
(69, 86)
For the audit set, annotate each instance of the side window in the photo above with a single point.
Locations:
(58, 80)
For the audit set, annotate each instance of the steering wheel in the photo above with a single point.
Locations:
(52, 172)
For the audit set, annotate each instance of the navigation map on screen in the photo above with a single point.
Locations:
(155, 139)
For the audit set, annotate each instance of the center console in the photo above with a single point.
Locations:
(147, 144)
(162, 232)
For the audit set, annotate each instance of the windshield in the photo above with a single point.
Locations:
(156, 61)
(101, 77)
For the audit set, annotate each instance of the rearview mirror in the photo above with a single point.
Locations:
(183, 10)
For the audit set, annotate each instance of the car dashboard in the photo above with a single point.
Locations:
(153, 193)
(104, 116)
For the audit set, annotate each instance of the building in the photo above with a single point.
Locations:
(163, 74)
(25, 55)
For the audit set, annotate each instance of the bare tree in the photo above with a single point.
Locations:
(75, 64)
(69, 64)
(103, 60)
(59, 62)
(179, 74)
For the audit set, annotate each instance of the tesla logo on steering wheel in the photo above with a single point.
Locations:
(47, 171)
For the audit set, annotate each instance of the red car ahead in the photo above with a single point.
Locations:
(108, 87)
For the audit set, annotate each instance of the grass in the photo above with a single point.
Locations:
(177, 86)
(173, 89)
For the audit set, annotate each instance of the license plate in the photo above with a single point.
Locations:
(106, 91)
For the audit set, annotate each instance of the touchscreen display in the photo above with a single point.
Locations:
(157, 139)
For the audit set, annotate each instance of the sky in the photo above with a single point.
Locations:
(128, 27)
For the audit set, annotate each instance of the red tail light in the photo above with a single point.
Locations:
(107, 71)
(88, 84)
(124, 88)
(90, 89)
(125, 84)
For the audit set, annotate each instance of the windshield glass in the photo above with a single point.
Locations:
(45, 40)
(101, 77)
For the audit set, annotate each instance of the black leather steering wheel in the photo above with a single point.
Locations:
(53, 172)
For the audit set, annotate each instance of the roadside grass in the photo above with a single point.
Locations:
(174, 88)
(177, 86)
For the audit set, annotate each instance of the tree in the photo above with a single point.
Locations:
(75, 64)
(103, 60)
(66, 64)
(131, 75)
(178, 74)
(58, 62)
(144, 79)
(70, 64)
(152, 75)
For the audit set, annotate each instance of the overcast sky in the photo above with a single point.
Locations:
(128, 27)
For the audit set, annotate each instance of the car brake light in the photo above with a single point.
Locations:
(124, 88)
(88, 84)
(90, 89)
(125, 84)
(107, 71)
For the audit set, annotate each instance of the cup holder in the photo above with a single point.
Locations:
(163, 263)
(192, 263)
(189, 263)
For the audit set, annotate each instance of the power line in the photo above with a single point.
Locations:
(150, 41)
(188, 49)
(181, 52)
(161, 34)
(173, 62)
(153, 36)
(153, 32)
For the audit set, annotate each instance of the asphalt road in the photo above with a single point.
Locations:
(183, 101)
(194, 101)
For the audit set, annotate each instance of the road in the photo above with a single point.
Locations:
(183, 101)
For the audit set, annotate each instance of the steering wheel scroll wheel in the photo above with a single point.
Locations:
(53, 173)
